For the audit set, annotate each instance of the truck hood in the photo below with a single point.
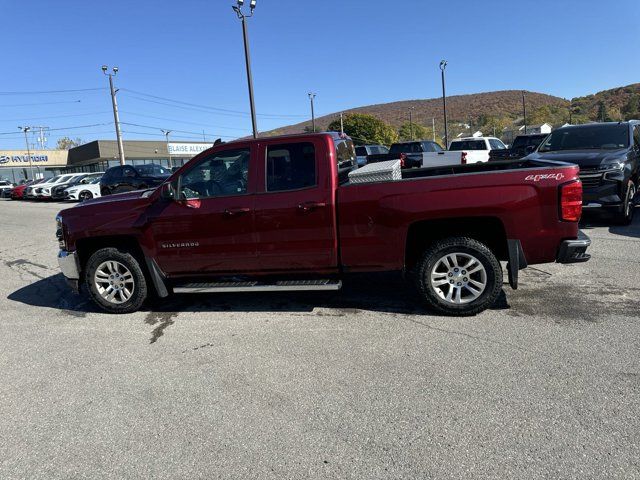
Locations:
(583, 158)
(119, 198)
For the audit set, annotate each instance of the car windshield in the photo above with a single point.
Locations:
(593, 137)
(468, 145)
(152, 170)
(52, 180)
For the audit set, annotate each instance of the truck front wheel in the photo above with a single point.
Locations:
(459, 276)
(115, 281)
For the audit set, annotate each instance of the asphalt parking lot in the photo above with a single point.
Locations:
(361, 384)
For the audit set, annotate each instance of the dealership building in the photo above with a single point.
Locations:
(96, 156)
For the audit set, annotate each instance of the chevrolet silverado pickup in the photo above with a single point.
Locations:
(294, 213)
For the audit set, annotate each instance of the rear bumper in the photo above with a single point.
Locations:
(574, 251)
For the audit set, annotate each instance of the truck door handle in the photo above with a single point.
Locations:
(309, 206)
(234, 212)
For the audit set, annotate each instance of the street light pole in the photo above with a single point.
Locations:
(524, 112)
(166, 134)
(26, 140)
(312, 96)
(116, 117)
(247, 57)
(443, 66)
(341, 123)
(411, 121)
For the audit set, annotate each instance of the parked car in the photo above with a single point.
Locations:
(43, 190)
(522, 146)
(5, 188)
(608, 155)
(29, 191)
(125, 178)
(59, 192)
(84, 191)
(410, 153)
(362, 152)
(294, 213)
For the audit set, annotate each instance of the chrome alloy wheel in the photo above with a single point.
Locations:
(114, 282)
(459, 278)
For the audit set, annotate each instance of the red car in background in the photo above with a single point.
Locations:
(18, 192)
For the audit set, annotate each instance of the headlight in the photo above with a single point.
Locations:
(612, 166)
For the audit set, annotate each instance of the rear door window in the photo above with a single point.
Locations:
(468, 145)
(291, 166)
(496, 144)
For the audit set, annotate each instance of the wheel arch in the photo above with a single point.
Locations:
(488, 230)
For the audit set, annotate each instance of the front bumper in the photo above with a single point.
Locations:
(574, 251)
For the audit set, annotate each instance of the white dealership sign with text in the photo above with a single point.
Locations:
(188, 149)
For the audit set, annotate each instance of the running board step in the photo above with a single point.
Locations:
(255, 286)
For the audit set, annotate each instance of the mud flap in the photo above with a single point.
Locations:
(517, 262)
(157, 278)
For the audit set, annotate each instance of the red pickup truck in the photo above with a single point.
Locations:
(285, 213)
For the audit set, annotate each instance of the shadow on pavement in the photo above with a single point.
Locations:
(591, 221)
(377, 293)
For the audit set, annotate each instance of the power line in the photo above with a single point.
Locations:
(52, 91)
(53, 117)
(221, 110)
(184, 122)
(38, 104)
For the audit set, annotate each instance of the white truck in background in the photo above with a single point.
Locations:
(424, 153)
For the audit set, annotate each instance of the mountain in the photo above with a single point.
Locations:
(619, 103)
(460, 108)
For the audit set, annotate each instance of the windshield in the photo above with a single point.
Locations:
(95, 180)
(596, 137)
(468, 145)
(405, 148)
(152, 170)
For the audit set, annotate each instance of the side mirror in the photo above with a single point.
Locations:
(530, 149)
(168, 191)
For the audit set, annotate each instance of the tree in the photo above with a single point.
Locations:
(65, 143)
(366, 129)
(603, 113)
(413, 131)
(631, 110)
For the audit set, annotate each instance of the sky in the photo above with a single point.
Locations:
(181, 64)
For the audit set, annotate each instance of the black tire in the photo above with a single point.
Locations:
(625, 216)
(139, 291)
(462, 248)
(85, 195)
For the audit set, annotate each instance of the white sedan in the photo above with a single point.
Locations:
(84, 192)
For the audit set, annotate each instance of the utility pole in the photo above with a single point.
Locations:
(166, 134)
(42, 139)
(341, 123)
(433, 128)
(116, 117)
(247, 58)
(312, 96)
(411, 122)
(443, 67)
(524, 112)
(26, 140)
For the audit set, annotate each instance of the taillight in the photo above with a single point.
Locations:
(463, 158)
(403, 157)
(571, 201)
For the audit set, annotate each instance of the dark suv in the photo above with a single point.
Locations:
(126, 178)
(608, 155)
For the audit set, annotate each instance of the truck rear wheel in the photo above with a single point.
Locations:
(459, 276)
(115, 281)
